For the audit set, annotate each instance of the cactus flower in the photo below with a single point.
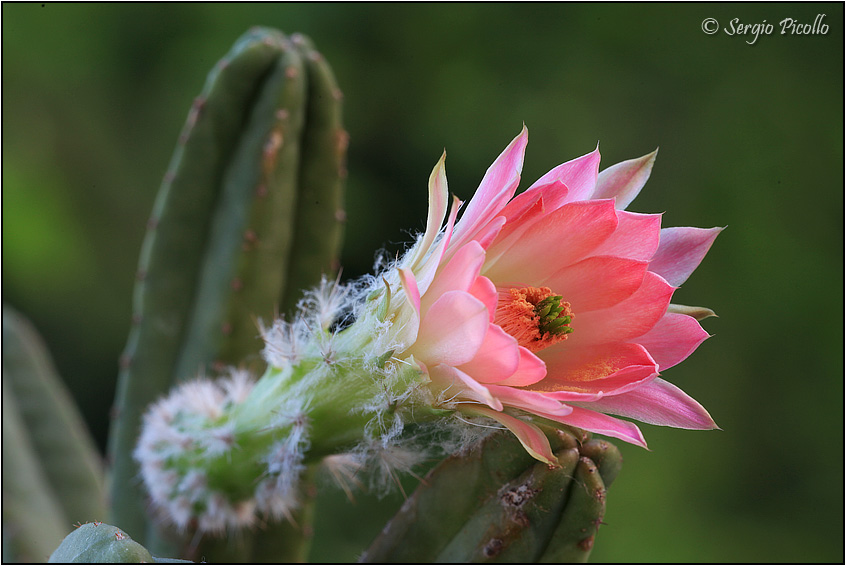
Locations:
(554, 303)
(551, 307)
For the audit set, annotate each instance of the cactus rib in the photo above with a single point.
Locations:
(33, 520)
(65, 450)
(572, 541)
(320, 215)
(171, 255)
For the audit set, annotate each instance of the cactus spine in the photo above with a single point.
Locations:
(230, 240)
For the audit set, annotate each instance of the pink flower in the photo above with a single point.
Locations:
(553, 303)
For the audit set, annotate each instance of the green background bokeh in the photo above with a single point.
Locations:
(751, 137)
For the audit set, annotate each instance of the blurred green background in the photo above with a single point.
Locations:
(751, 137)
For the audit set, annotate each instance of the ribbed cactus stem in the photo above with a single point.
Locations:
(99, 543)
(573, 539)
(493, 505)
(219, 254)
(33, 520)
(245, 264)
(320, 213)
(172, 255)
(52, 471)
(515, 524)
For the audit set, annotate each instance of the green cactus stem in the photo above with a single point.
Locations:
(496, 504)
(572, 541)
(230, 241)
(244, 266)
(320, 215)
(445, 499)
(60, 440)
(172, 255)
(515, 525)
(99, 543)
(33, 520)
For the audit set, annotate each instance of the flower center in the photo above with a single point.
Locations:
(535, 316)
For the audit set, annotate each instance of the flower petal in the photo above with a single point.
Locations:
(636, 236)
(485, 291)
(438, 196)
(560, 238)
(531, 437)
(540, 199)
(627, 319)
(496, 189)
(530, 370)
(680, 251)
(452, 331)
(660, 403)
(409, 285)
(497, 358)
(453, 381)
(426, 272)
(598, 282)
(458, 274)
(601, 424)
(530, 401)
(672, 339)
(600, 369)
(407, 315)
(579, 175)
(623, 181)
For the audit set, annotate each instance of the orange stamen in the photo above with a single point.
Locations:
(535, 316)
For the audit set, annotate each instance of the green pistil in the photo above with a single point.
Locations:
(550, 318)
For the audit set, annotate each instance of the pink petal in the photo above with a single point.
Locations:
(512, 231)
(497, 359)
(624, 180)
(630, 318)
(680, 251)
(531, 437)
(409, 285)
(636, 236)
(597, 282)
(601, 424)
(496, 189)
(550, 196)
(660, 403)
(457, 383)
(426, 272)
(573, 396)
(438, 196)
(560, 238)
(599, 370)
(485, 291)
(458, 274)
(452, 331)
(530, 370)
(672, 339)
(530, 401)
(486, 235)
(579, 175)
